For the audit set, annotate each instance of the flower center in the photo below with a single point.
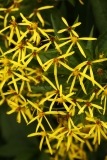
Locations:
(43, 133)
(105, 91)
(9, 72)
(52, 39)
(60, 100)
(18, 109)
(8, 10)
(41, 114)
(76, 73)
(98, 122)
(88, 104)
(89, 63)
(34, 25)
(14, 23)
(74, 39)
(35, 11)
(5, 61)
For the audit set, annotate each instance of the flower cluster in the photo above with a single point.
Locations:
(43, 81)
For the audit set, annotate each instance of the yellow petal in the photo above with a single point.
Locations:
(55, 75)
(87, 38)
(24, 117)
(75, 33)
(41, 143)
(18, 118)
(63, 44)
(64, 20)
(53, 86)
(49, 146)
(81, 50)
(45, 7)
(68, 50)
(35, 105)
(31, 15)
(76, 24)
(62, 30)
(72, 84)
(40, 18)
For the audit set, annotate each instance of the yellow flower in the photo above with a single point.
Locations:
(51, 40)
(58, 96)
(97, 128)
(33, 54)
(37, 40)
(41, 114)
(7, 39)
(33, 28)
(65, 120)
(88, 104)
(37, 13)
(88, 65)
(75, 40)
(7, 11)
(77, 74)
(63, 132)
(28, 76)
(45, 135)
(20, 109)
(38, 72)
(14, 96)
(62, 99)
(70, 29)
(56, 62)
(13, 30)
(72, 108)
(61, 152)
(19, 51)
(16, 3)
(11, 72)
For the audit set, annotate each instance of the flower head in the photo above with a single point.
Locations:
(75, 40)
(70, 29)
(36, 12)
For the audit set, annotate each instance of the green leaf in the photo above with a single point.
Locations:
(82, 118)
(96, 52)
(77, 19)
(102, 42)
(100, 13)
(57, 23)
(90, 43)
